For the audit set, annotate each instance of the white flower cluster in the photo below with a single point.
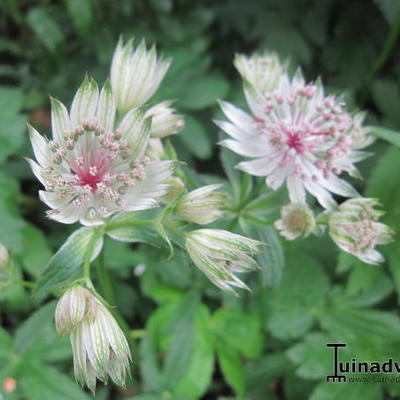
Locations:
(297, 136)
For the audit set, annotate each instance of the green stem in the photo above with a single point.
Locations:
(384, 56)
(104, 280)
(89, 253)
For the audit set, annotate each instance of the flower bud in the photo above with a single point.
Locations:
(136, 74)
(164, 121)
(262, 71)
(296, 220)
(202, 205)
(220, 254)
(354, 228)
(155, 149)
(4, 258)
(177, 187)
(72, 307)
(99, 346)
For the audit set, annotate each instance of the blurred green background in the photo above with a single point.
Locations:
(268, 345)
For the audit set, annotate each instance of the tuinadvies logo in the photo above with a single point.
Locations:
(340, 368)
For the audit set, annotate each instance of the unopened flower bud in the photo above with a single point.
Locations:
(177, 186)
(220, 254)
(4, 257)
(202, 205)
(136, 73)
(296, 220)
(262, 71)
(99, 346)
(356, 230)
(164, 121)
(72, 307)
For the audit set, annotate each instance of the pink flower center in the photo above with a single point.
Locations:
(294, 141)
(92, 170)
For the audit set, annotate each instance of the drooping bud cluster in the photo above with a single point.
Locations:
(356, 230)
(136, 74)
(203, 205)
(164, 121)
(296, 134)
(296, 220)
(220, 254)
(99, 346)
(91, 169)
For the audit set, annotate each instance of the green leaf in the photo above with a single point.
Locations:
(232, 367)
(64, 266)
(239, 330)
(312, 356)
(299, 297)
(179, 353)
(45, 28)
(135, 226)
(348, 391)
(36, 251)
(272, 259)
(6, 343)
(203, 92)
(81, 14)
(194, 137)
(41, 382)
(197, 378)
(393, 137)
(386, 95)
(12, 121)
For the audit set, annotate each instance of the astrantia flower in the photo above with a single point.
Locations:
(297, 136)
(220, 254)
(164, 121)
(99, 346)
(93, 169)
(262, 71)
(202, 205)
(354, 228)
(296, 220)
(136, 74)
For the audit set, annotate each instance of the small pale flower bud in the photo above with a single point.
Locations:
(136, 73)
(72, 307)
(220, 254)
(155, 149)
(354, 228)
(202, 205)
(296, 220)
(177, 186)
(262, 71)
(164, 121)
(99, 346)
(4, 257)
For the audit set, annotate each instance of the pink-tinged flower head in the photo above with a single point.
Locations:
(356, 230)
(297, 136)
(92, 168)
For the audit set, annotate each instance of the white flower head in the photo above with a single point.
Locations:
(262, 70)
(356, 230)
(136, 74)
(203, 205)
(299, 137)
(92, 168)
(99, 346)
(164, 121)
(296, 220)
(220, 254)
